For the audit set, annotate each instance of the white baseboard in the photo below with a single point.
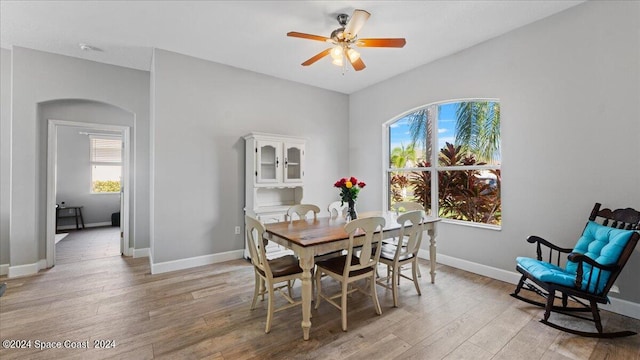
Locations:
(24, 270)
(623, 307)
(138, 253)
(194, 261)
(484, 270)
(73, 226)
(618, 306)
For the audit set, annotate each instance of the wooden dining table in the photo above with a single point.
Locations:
(310, 237)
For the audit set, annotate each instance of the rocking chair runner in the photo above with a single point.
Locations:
(592, 268)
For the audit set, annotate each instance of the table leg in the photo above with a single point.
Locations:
(306, 263)
(81, 218)
(432, 232)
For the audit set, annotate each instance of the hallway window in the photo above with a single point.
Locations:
(106, 164)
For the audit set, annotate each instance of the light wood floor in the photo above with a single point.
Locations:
(203, 313)
(88, 244)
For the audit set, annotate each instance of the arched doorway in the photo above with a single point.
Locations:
(91, 117)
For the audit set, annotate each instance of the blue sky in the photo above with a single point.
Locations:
(399, 132)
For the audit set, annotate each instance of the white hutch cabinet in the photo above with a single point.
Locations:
(274, 179)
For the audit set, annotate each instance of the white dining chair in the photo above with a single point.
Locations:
(270, 273)
(300, 211)
(337, 209)
(397, 256)
(349, 268)
(401, 207)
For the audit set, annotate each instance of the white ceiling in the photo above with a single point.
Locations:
(251, 35)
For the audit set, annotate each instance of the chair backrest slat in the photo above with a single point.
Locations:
(411, 231)
(622, 218)
(403, 206)
(371, 230)
(256, 243)
(337, 209)
(301, 211)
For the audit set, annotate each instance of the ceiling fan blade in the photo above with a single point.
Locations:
(358, 64)
(317, 57)
(391, 42)
(307, 36)
(355, 23)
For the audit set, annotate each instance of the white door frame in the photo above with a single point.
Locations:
(52, 150)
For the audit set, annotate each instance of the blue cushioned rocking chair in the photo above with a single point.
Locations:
(592, 268)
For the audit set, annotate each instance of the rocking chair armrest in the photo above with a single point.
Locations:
(580, 258)
(537, 239)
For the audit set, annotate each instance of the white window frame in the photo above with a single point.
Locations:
(434, 168)
(98, 163)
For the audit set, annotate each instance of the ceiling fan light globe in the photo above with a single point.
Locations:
(353, 55)
(336, 52)
(337, 62)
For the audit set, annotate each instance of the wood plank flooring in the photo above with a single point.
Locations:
(88, 244)
(203, 313)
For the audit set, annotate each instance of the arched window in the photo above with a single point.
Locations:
(446, 156)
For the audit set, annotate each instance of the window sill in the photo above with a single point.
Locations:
(472, 224)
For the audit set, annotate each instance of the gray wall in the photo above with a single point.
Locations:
(73, 185)
(200, 111)
(5, 152)
(38, 78)
(569, 87)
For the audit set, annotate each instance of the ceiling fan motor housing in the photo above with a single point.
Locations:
(337, 35)
(343, 19)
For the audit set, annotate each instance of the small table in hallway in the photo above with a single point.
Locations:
(70, 211)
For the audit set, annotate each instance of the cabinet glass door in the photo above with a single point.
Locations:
(268, 162)
(293, 161)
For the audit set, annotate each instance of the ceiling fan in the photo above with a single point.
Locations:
(346, 36)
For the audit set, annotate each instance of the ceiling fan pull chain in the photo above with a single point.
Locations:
(345, 68)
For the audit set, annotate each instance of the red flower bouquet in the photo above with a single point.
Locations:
(349, 189)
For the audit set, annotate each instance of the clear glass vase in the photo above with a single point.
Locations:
(351, 211)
